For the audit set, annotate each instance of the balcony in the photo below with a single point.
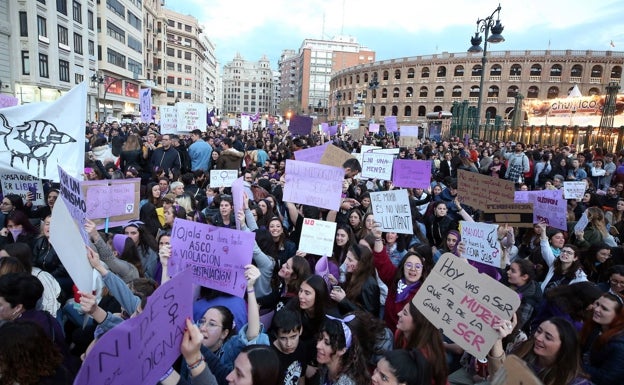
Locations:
(458, 79)
(474, 99)
(438, 99)
(575, 79)
(595, 80)
(475, 78)
(514, 78)
(554, 79)
(422, 100)
(440, 80)
(537, 78)
(492, 99)
(511, 100)
(495, 78)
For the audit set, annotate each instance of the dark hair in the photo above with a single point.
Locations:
(400, 268)
(570, 273)
(526, 267)
(353, 164)
(372, 333)
(321, 295)
(356, 280)
(21, 288)
(286, 320)
(574, 298)
(265, 364)
(301, 268)
(228, 320)
(20, 218)
(595, 271)
(143, 286)
(352, 362)
(339, 253)
(615, 269)
(16, 201)
(130, 254)
(613, 330)
(11, 265)
(409, 366)
(21, 251)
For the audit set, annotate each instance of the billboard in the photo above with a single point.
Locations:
(575, 111)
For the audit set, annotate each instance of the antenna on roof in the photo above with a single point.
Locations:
(323, 28)
(343, 15)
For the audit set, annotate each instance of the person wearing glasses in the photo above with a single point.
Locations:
(562, 259)
(615, 282)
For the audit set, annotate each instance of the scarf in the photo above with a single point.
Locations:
(404, 290)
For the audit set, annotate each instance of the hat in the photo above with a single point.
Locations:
(119, 242)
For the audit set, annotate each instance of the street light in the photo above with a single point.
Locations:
(485, 25)
(373, 85)
(99, 79)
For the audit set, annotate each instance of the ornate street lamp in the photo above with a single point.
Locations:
(485, 26)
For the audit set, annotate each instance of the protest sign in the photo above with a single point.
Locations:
(377, 165)
(72, 195)
(513, 214)
(409, 136)
(313, 184)
(325, 128)
(245, 122)
(312, 154)
(521, 197)
(8, 101)
(216, 255)
(392, 210)
(514, 371)
(390, 122)
(351, 123)
(317, 237)
(21, 183)
(222, 178)
(478, 190)
(368, 148)
(550, 206)
(481, 242)
(335, 156)
(582, 222)
(574, 190)
(333, 130)
(411, 173)
(191, 116)
(373, 128)
(358, 134)
(168, 119)
(141, 349)
(145, 102)
(238, 189)
(465, 304)
(300, 125)
(65, 238)
(112, 202)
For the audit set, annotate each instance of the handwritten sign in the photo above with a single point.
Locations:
(392, 210)
(514, 214)
(478, 190)
(373, 128)
(216, 255)
(377, 165)
(238, 189)
(312, 154)
(334, 156)
(141, 349)
(411, 173)
(574, 190)
(115, 199)
(550, 206)
(21, 183)
(222, 178)
(409, 136)
(72, 195)
(168, 119)
(390, 122)
(481, 241)
(313, 184)
(582, 222)
(522, 197)
(352, 123)
(465, 304)
(317, 237)
(191, 116)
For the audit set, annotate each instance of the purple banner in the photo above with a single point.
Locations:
(115, 199)
(300, 125)
(550, 206)
(411, 173)
(313, 184)
(140, 350)
(71, 193)
(145, 103)
(325, 128)
(374, 128)
(238, 199)
(312, 154)
(7, 101)
(333, 130)
(391, 124)
(216, 255)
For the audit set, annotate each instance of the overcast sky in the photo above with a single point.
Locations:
(396, 28)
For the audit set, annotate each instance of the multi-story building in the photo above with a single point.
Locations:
(277, 92)
(287, 67)
(247, 86)
(184, 58)
(209, 74)
(412, 87)
(50, 47)
(153, 41)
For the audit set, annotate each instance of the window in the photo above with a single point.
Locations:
(170, 66)
(441, 72)
(135, 67)
(77, 11)
(90, 20)
(170, 80)
(116, 7)
(41, 26)
(64, 70)
(188, 28)
(577, 71)
(555, 70)
(25, 63)
(63, 37)
(43, 66)
(91, 47)
(115, 32)
(187, 56)
(188, 82)
(135, 44)
(134, 21)
(116, 58)
(78, 43)
(179, 81)
(23, 21)
(61, 6)
(187, 69)
(78, 78)
(170, 52)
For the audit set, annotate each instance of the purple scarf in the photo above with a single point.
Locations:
(404, 290)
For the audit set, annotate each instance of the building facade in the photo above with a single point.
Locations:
(247, 87)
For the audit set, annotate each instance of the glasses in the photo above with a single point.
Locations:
(615, 282)
(208, 324)
(567, 251)
(413, 266)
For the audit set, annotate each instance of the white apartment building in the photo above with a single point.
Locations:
(210, 71)
(247, 86)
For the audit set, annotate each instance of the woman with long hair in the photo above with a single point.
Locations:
(402, 367)
(291, 274)
(449, 245)
(131, 154)
(146, 246)
(521, 278)
(414, 331)
(596, 262)
(225, 216)
(127, 264)
(18, 229)
(355, 220)
(255, 365)
(45, 258)
(603, 341)
(595, 231)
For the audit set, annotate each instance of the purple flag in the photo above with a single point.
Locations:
(325, 128)
(300, 125)
(391, 124)
(146, 104)
(141, 349)
(411, 173)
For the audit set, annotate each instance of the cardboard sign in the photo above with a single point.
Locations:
(21, 183)
(481, 241)
(478, 190)
(335, 156)
(391, 123)
(392, 210)
(317, 237)
(550, 206)
(222, 178)
(409, 136)
(313, 184)
(216, 255)
(116, 200)
(513, 214)
(465, 304)
(411, 173)
(191, 116)
(168, 119)
(377, 166)
(515, 371)
(72, 194)
(141, 349)
(358, 134)
(574, 190)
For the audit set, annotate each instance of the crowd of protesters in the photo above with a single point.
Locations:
(293, 326)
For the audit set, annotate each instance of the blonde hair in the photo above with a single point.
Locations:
(596, 217)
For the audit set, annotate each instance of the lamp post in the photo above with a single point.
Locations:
(373, 84)
(99, 79)
(485, 25)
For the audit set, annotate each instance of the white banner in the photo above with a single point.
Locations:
(392, 210)
(222, 178)
(191, 116)
(317, 237)
(37, 137)
(168, 119)
(574, 190)
(377, 165)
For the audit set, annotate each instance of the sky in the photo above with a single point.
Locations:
(399, 28)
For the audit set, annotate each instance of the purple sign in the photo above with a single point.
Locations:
(312, 154)
(300, 125)
(313, 184)
(411, 173)
(325, 128)
(333, 130)
(141, 349)
(146, 105)
(216, 255)
(116, 199)
(374, 128)
(237, 198)
(71, 193)
(550, 206)
(7, 101)
(391, 124)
